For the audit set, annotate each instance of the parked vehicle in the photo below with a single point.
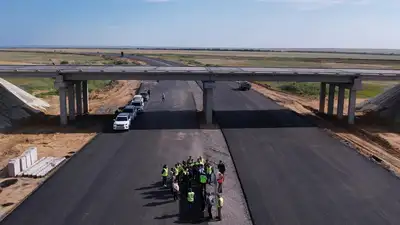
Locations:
(122, 122)
(131, 110)
(138, 103)
(145, 96)
(137, 98)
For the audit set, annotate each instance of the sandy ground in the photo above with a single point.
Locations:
(52, 140)
(368, 140)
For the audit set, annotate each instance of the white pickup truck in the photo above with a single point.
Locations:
(122, 122)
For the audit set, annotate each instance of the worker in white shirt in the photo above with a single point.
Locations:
(175, 187)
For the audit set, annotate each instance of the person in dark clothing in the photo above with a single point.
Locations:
(148, 92)
(221, 167)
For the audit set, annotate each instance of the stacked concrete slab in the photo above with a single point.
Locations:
(16, 104)
(28, 165)
(23, 162)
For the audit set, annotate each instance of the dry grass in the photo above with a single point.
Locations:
(24, 58)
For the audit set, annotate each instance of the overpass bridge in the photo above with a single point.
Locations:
(71, 81)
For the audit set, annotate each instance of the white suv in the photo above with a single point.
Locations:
(122, 122)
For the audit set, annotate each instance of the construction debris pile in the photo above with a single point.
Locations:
(28, 165)
(385, 105)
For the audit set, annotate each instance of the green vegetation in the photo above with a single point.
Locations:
(42, 87)
(370, 89)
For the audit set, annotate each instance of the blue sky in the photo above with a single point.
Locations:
(202, 23)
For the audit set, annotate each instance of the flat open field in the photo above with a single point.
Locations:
(223, 53)
(41, 87)
(370, 89)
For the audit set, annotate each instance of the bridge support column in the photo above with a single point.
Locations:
(61, 85)
(357, 85)
(322, 96)
(331, 99)
(340, 102)
(85, 95)
(71, 101)
(208, 89)
(78, 91)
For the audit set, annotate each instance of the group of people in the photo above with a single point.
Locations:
(190, 176)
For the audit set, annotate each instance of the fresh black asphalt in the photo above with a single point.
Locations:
(294, 173)
(115, 180)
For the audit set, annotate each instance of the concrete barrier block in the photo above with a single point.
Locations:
(27, 154)
(23, 163)
(13, 167)
(33, 153)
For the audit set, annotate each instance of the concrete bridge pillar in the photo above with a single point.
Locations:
(61, 85)
(322, 96)
(85, 95)
(208, 89)
(340, 103)
(357, 85)
(71, 101)
(331, 99)
(78, 91)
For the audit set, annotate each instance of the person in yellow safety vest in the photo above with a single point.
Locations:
(164, 174)
(203, 182)
(201, 160)
(220, 203)
(190, 198)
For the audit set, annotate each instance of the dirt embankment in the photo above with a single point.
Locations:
(371, 140)
(50, 139)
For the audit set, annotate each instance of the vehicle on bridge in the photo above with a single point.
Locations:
(122, 122)
(244, 85)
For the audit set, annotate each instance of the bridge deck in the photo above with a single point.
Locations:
(219, 73)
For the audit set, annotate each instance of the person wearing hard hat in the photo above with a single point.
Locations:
(164, 174)
(220, 203)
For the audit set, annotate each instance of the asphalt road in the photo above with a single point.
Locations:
(294, 173)
(115, 179)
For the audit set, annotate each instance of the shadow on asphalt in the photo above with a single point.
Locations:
(261, 119)
(164, 120)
